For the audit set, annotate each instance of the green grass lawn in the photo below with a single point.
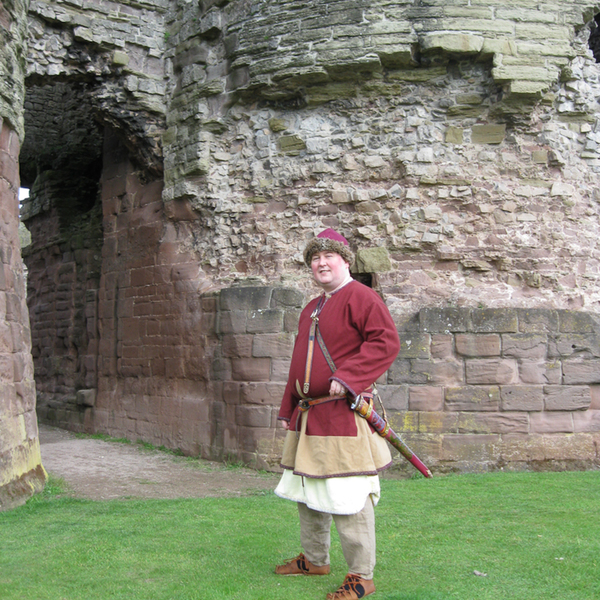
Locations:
(472, 537)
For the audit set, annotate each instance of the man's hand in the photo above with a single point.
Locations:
(285, 424)
(336, 388)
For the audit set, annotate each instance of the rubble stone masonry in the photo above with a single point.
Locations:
(180, 155)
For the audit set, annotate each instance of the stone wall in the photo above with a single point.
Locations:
(479, 389)
(21, 471)
(64, 265)
(142, 372)
(465, 156)
(252, 338)
(454, 143)
(471, 389)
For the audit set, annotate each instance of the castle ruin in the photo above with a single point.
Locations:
(179, 155)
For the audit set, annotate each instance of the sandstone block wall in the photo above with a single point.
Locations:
(252, 338)
(471, 389)
(63, 281)
(142, 372)
(21, 471)
(498, 388)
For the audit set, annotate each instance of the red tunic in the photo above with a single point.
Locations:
(362, 339)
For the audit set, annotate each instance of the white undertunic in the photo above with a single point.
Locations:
(334, 495)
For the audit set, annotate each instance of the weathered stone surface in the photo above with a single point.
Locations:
(264, 321)
(488, 134)
(262, 393)
(478, 345)
(442, 346)
(452, 42)
(473, 448)
(373, 260)
(472, 398)
(525, 398)
(551, 422)
(273, 344)
(567, 397)
(489, 422)
(251, 129)
(494, 320)
(566, 345)
(245, 298)
(578, 371)
(251, 369)
(253, 416)
(237, 345)
(232, 321)
(414, 346)
(522, 448)
(447, 320)
(394, 397)
(438, 422)
(540, 373)
(526, 346)
(425, 398)
(572, 448)
(491, 371)
(286, 297)
(21, 472)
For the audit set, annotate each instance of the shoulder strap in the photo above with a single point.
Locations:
(316, 333)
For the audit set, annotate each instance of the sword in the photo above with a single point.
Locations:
(382, 427)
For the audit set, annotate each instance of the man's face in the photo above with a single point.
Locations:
(329, 269)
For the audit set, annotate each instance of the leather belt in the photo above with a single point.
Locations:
(305, 403)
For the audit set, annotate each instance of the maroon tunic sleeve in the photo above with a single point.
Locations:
(367, 346)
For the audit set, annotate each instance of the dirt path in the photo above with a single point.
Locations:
(101, 470)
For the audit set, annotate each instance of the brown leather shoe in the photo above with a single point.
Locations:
(300, 565)
(353, 588)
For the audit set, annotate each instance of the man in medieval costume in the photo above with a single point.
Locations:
(331, 456)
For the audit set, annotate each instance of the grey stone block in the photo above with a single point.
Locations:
(444, 320)
(245, 298)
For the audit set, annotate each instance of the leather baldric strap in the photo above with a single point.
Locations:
(315, 333)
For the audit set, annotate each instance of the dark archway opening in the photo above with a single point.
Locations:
(594, 40)
(61, 164)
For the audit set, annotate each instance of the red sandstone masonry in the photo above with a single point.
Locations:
(540, 373)
(478, 345)
(442, 346)
(472, 398)
(484, 423)
(491, 371)
(551, 422)
(587, 372)
(425, 398)
(262, 393)
(523, 398)
(438, 422)
(569, 398)
(273, 344)
(21, 474)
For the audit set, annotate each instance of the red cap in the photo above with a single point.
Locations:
(332, 234)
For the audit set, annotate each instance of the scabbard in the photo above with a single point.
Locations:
(382, 427)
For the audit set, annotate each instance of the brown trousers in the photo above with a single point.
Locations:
(356, 533)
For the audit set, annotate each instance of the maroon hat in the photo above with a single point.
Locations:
(329, 240)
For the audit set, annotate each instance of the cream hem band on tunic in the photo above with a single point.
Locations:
(335, 495)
